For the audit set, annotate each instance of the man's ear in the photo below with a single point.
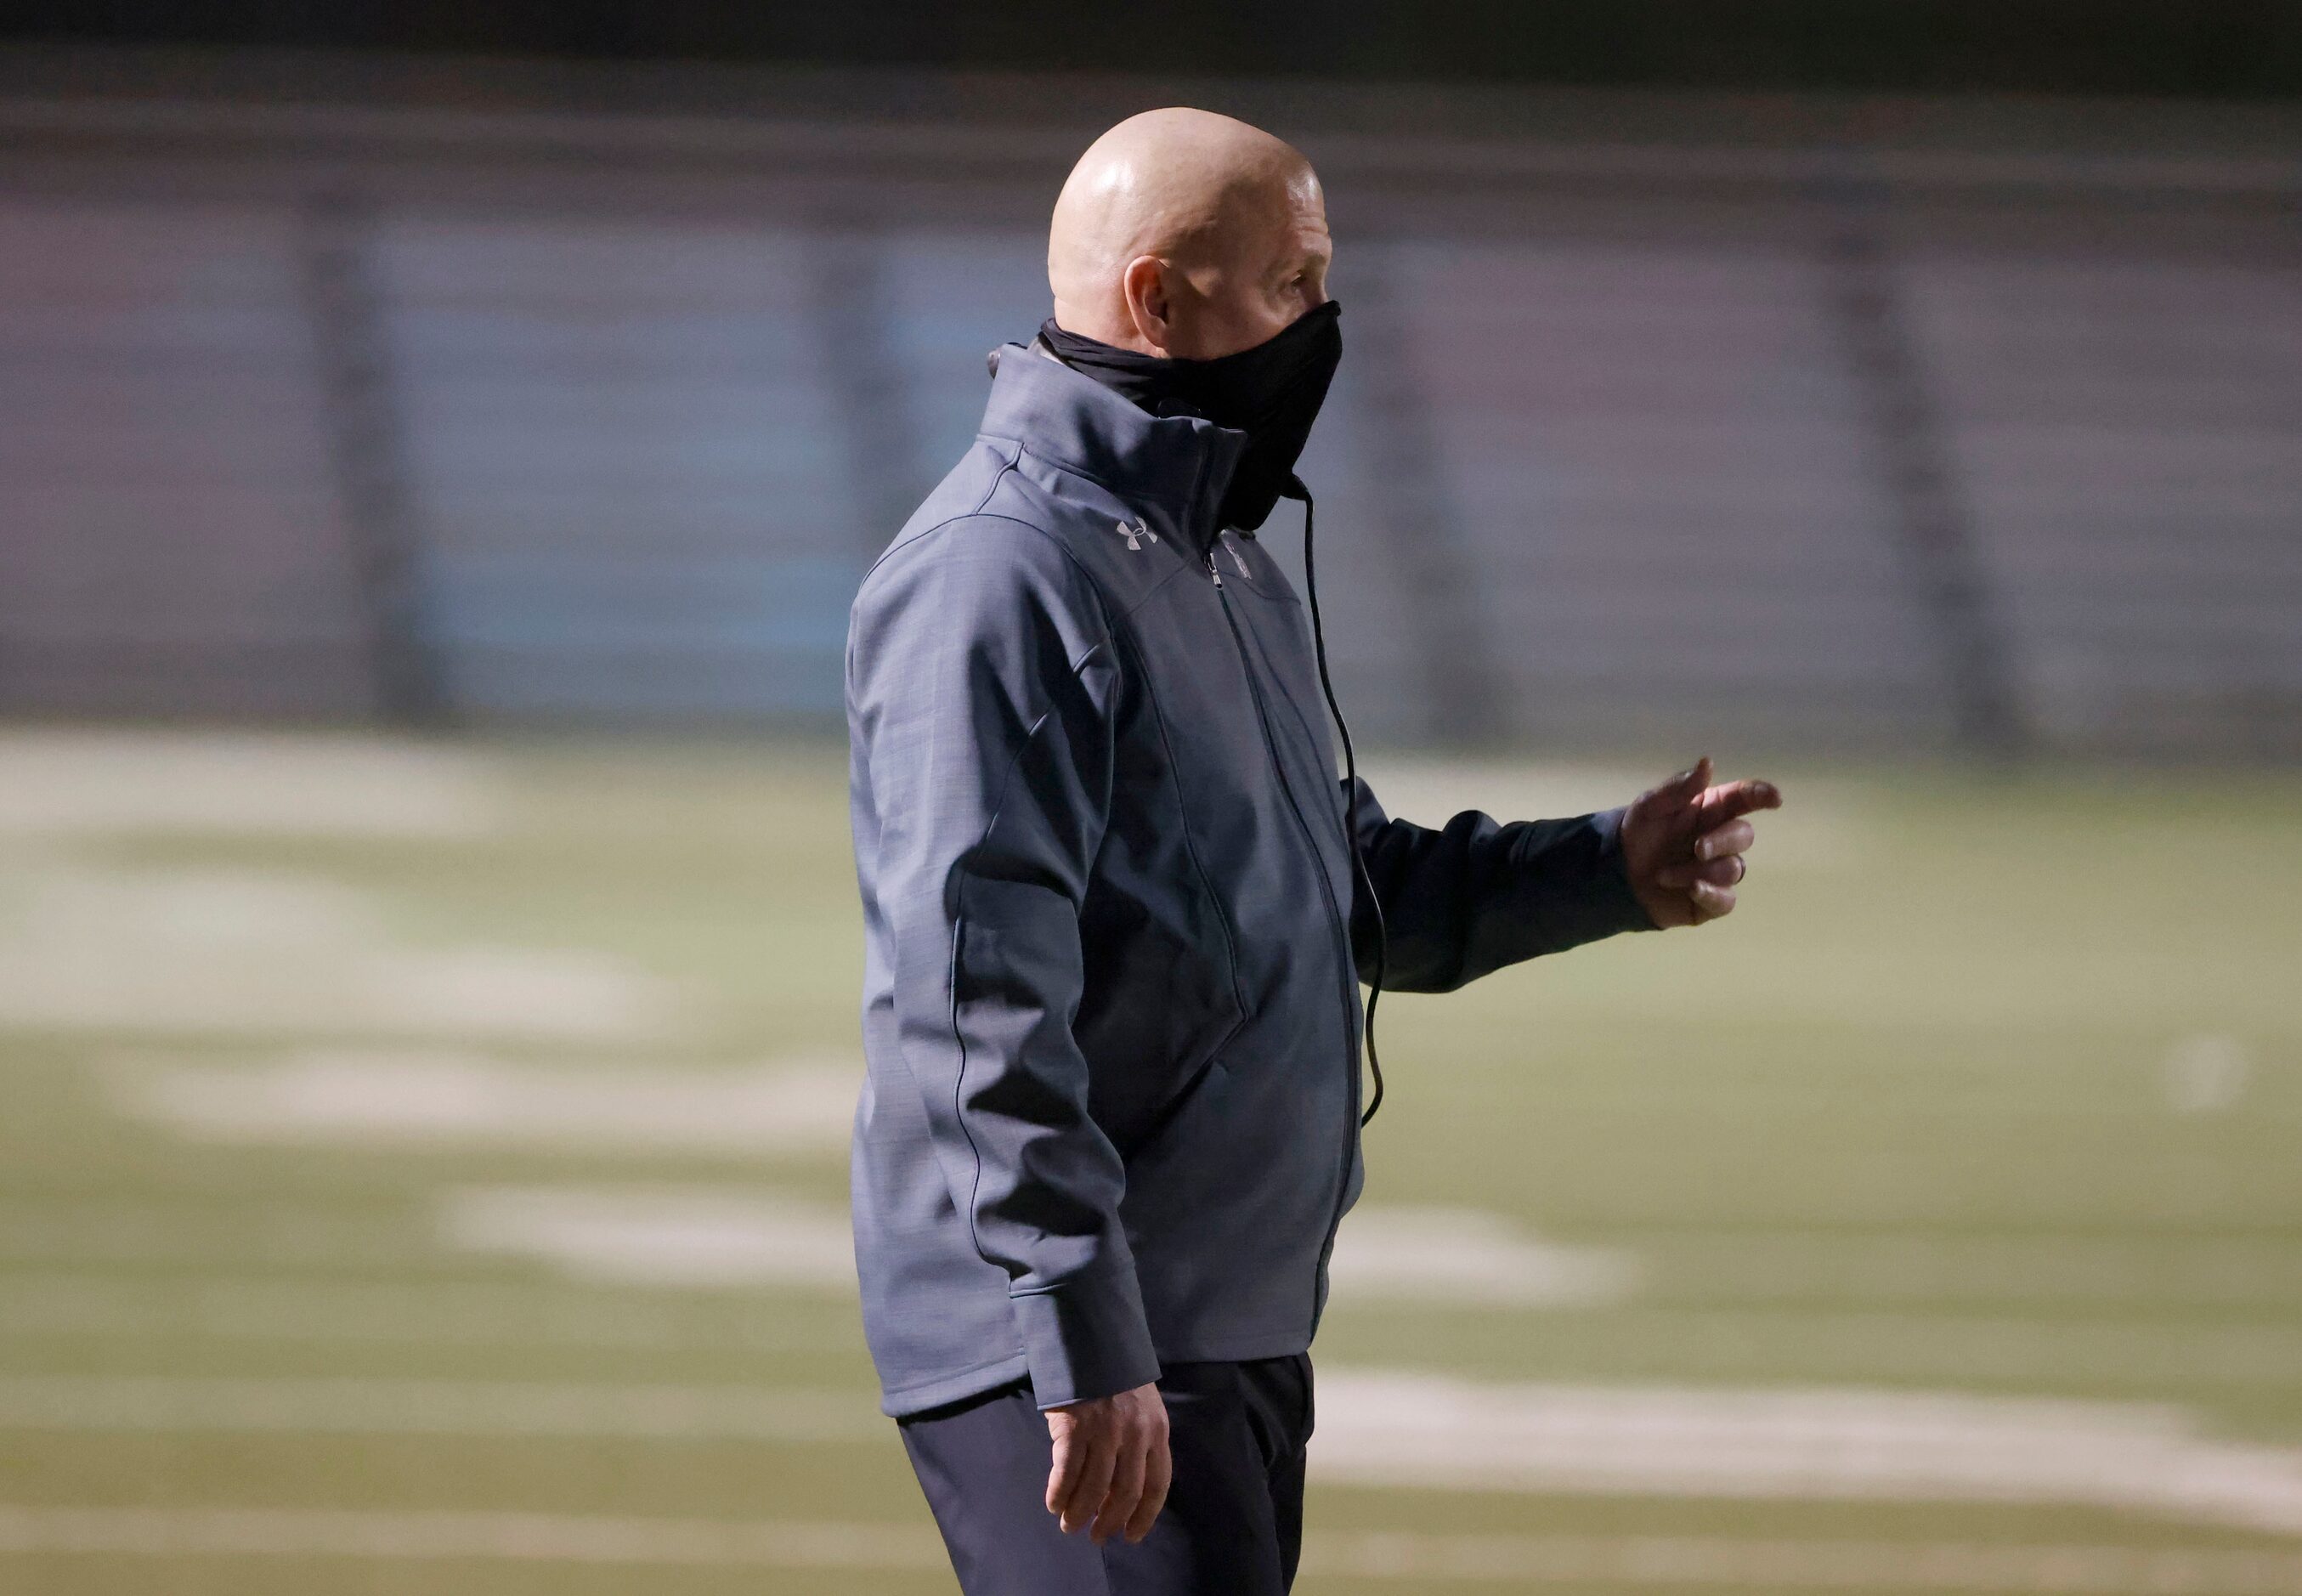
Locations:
(1149, 306)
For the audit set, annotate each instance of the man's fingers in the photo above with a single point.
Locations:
(1118, 1504)
(1158, 1473)
(1735, 836)
(1683, 787)
(1675, 792)
(1740, 798)
(1687, 838)
(1069, 1454)
(1720, 872)
(1711, 902)
(1092, 1484)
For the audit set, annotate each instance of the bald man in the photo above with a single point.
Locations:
(1118, 903)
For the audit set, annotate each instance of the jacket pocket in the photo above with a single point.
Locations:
(1208, 1076)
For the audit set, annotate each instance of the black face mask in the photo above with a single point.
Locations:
(1272, 392)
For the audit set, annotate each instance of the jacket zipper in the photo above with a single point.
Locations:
(1334, 916)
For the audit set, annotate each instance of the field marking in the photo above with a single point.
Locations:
(739, 1237)
(75, 783)
(1580, 1561)
(1404, 1428)
(459, 1098)
(700, 1237)
(2206, 1073)
(236, 952)
(1817, 1273)
(1468, 1255)
(1374, 1428)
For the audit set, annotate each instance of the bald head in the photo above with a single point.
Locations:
(1188, 234)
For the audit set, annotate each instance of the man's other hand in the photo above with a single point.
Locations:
(1682, 844)
(1112, 1469)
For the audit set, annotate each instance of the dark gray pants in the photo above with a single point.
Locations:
(1233, 1522)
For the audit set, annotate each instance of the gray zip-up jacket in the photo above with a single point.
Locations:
(1111, 1006)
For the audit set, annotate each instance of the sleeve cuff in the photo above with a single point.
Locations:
(1617, 904)
(1087, 1337)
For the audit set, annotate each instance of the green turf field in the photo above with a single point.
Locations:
(420, 1171)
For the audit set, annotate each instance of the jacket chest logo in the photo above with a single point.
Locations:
(1137, 535)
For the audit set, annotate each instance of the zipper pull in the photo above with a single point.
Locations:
(1210, 567)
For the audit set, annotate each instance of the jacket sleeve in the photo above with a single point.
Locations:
(980, 674)
(1475, 894)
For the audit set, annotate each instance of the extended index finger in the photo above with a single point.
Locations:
(1724, 803)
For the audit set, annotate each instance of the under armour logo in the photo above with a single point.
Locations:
(1136, 535)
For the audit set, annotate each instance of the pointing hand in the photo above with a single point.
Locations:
(1682, 844)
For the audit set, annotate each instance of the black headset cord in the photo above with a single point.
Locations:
(1362, 875)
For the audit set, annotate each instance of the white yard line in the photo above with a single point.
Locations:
(241, 951)
(1469, 1256)
(1377, 1555)
(1375, 1428)
(740, 1237)
(1820, 1277)
(1407, 1428)
(253, 784)
(693, 1236)
(450, 1097)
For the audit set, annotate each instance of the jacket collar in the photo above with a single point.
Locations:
(1176, 468)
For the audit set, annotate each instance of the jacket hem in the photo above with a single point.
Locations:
(1243, 1350)
(1087, 1336)
(903, 1400)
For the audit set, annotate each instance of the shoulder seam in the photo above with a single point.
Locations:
(1104, 612)
(997, 477)
(1112, 618)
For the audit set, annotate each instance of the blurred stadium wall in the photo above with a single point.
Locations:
(442, 393)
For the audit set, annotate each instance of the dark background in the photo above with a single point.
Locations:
(2223, 50)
